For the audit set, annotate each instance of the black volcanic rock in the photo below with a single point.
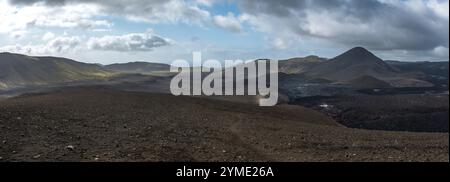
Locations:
(150, 127)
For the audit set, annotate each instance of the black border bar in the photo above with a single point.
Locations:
(119, 170)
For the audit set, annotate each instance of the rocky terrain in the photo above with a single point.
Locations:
(95, 124)
(406, 112)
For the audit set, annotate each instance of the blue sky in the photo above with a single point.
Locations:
(161, 31)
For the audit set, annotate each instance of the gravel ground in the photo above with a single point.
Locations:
(104, 125)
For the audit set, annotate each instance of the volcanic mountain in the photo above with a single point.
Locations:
(352, 64)
(19, 70)
(358, 65)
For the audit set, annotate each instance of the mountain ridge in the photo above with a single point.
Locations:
(356, 63)
(17, 70)
(138, 67)
(352, 67)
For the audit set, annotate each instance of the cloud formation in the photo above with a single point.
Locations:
(80, 16)
(376, 24)
(53, 45)
(155, 11)
(228, 22)
(409, 27)
(128, 42)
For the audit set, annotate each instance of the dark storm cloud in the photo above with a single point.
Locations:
(151, 11)
(361, 8)
(369, 23)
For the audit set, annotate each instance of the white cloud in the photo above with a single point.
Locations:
(48, 36)
(15, 18)
(18, 34)
(101, 30)
(441, 51)
(229, 22)
(172, 11)
(441, 8)
(207, 3)
(63, 44)
(53, 45)
(158, 11)
(280, 38)
(279, 43)
(128, 42)
(437, 7)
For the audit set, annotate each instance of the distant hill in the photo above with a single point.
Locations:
(352, 64)
(362, 69)
(358, 64)
(299, 65)
(434, 72)
(430, 68)
(138, 67)
(18, 70)
(357, 67)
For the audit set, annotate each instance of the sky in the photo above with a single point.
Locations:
(118, 31)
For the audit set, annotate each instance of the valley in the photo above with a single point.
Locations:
(353, 107)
